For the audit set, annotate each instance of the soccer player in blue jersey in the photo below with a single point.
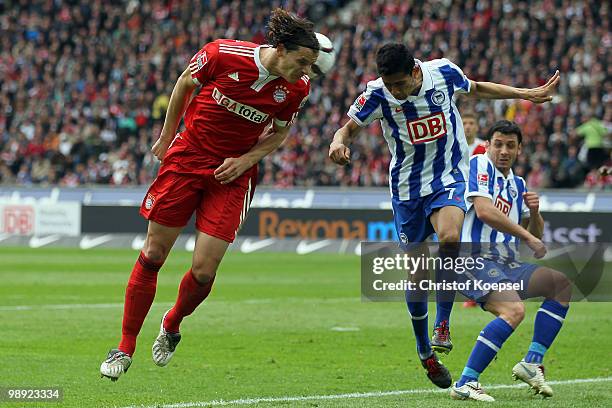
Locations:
(502, 211)
(415, 103)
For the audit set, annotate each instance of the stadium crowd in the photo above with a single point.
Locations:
(84, 85)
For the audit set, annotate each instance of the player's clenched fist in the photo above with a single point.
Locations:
(231, 169)
(339, 153)
(160, 148)
(532, 201)
(537, 246)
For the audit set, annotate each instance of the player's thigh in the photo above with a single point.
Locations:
(446, 210)
(172, 198)
(159, 241)
(550, 284)
(507, 305)
(224, 208)
(207, 256)
(447, 223)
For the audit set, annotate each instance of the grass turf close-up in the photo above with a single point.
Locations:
(277, 330)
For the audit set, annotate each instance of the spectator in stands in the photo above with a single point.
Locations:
(79, 80)
(594, 133)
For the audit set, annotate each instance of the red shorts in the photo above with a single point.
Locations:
(186, 183)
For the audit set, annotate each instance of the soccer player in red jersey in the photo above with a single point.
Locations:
(470, 126)
(211, 167)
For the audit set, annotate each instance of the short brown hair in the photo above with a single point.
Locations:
(469, 114)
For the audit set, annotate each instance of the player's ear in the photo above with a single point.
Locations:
(416, 70)
(281, 50)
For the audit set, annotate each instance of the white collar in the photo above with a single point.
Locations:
(264, 75)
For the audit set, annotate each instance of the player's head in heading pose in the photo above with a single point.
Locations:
(396, 66)
(504, 144)
(295, 44)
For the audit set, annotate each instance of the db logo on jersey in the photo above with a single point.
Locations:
(503, 205)
(427, 128)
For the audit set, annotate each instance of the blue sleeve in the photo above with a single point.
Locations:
(366, 108)
(460, 82)
(481, 177)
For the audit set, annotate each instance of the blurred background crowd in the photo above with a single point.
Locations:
(84, 85)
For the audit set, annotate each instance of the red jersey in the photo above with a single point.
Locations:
(238, 99)
(477, 147)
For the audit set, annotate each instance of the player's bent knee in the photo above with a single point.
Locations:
(156, 251)
(204, 269)
(203, 275)
(513, 313)
(562, 291)
(449, 236)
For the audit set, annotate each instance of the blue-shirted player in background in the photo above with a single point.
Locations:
(502, 211)
(415, 103)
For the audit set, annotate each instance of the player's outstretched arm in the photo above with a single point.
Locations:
(176, 108)
(269, 141)
(338, 149)
(492, 216)
(491, 90)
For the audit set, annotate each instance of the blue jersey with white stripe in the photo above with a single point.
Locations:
(506, 193)
(424, 132)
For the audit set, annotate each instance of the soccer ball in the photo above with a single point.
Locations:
(326, 59)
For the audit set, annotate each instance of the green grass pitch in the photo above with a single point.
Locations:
(276, 326)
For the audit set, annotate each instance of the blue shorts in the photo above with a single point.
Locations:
(412, 216)
(496, 272)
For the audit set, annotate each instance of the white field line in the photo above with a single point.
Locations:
(253, 401)
(70, 306)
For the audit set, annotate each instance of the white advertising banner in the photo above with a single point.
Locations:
(63, 218)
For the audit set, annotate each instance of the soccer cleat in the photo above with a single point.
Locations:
(470, 391)
(164, 345)
(440, 340)
(437, 372)
(533, 375)
(117, 362)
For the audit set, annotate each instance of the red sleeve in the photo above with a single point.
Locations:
(203, 63)
(287, 116)
(480, 149)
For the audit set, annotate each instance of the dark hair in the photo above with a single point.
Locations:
(507, 128)
(291, 31)
(393, 58)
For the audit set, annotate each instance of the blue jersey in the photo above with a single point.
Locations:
(424, 132)
(506, 193)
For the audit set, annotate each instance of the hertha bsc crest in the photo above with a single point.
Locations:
(438, 98)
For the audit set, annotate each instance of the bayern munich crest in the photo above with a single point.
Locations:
(280, 94)
(149, 201)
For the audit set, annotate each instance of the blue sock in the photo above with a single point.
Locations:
(443, 310)
(445, 298)
(490, 340)
(418, 314)
(548, 322)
